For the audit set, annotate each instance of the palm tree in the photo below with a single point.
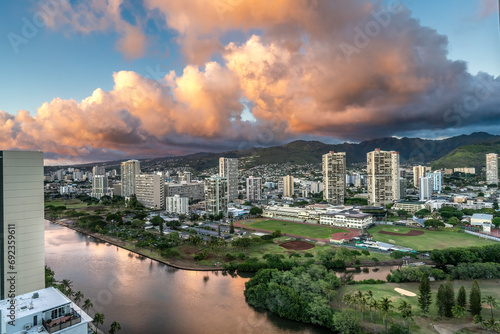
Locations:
(492, 302)
(375, 305)
(65, 285)
(78, 296)
(69, 292)
(347, 299)
(385, 306)
(98, 320)
(87, 304)
(115, 327)
(405, 310)
(459, 312)
(369, 300)
(361, 301)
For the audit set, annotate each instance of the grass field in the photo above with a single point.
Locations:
(69, 203)
(305, 230)
(429, 240)
(488, 287)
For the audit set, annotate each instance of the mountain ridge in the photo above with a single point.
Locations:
(412, 151)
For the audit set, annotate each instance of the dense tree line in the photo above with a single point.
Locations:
(462, 271)
(454, 256)
(302, 293)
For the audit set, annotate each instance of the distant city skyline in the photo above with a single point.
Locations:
(115, 80)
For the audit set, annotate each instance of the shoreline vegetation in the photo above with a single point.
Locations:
(139, 251)
(299, 272)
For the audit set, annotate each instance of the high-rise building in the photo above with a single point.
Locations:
(334, 177)
(436, 180)
(316, 187)
(288, 186)
(254, 189)
(129, 170)
(98, 170)
(228, 168)
(99, 186)
(425, 188)
(178, 205)
(21, 222)
(216, 195)
(382, 177)
(418, 172)
(403, 185)
(492, 168)
(195, 191)
(150, 190)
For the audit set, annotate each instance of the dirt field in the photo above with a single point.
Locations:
(297, 245)
(412, 233)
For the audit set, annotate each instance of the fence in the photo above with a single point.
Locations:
(481, 235)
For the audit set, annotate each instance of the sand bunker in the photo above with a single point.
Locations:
(405, 292)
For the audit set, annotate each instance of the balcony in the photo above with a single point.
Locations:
(63, 322)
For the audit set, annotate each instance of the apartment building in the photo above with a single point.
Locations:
(334, 177)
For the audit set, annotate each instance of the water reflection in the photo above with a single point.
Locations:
(150, 297)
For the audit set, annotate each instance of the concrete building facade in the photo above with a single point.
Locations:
(418, 172)
(178, 205)
(150, 190)
(382, 177)
(425, 188)
(99, 186)
(492, 168)
(437, 181)
(228, 168)
(21, 222)
(334, 177)
(129, 170)
(216, 198)
(195, 191)
(288, 186)
(254, 189)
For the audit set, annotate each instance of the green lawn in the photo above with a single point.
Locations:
(488, 287)
(429, 240)
(305, 230)
(70, 203)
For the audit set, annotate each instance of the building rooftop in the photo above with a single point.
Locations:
(26, 304)
(482, 216)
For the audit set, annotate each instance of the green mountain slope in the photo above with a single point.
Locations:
(467, 156)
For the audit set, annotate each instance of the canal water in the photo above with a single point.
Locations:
(145, 296)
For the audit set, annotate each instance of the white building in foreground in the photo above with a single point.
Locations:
(21, 222)
(346, 218)
(177, 204)
(42, 311)
(341, 216)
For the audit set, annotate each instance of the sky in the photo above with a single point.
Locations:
(95, 80)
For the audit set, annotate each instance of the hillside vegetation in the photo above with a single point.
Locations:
(467, 156)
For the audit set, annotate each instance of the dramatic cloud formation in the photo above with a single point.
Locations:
(95, 15)
(349, 70)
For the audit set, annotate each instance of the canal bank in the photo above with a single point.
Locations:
(147, 296)
(128, 247)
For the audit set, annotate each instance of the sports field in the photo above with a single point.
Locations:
(304, 230)
(429, 240)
